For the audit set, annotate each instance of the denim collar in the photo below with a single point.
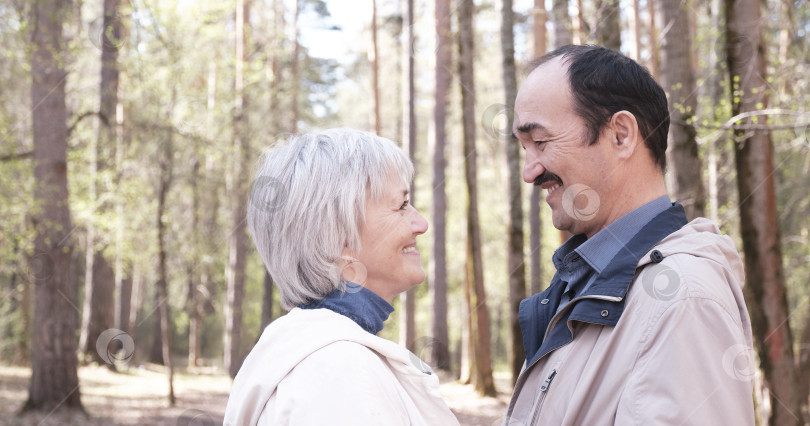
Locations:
(603, 247)
(536, 312)
(359, 304)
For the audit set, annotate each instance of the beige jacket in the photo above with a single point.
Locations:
(317, 367)
(680, 354)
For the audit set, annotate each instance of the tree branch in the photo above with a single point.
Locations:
(16, 156)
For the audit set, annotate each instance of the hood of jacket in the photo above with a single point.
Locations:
(702, 238)
(302, 333)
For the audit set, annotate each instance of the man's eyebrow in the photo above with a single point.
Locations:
(532, 125)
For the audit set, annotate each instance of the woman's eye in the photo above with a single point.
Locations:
(404, 205)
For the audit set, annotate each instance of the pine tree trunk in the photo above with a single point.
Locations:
(439, 352)
(267, 302)
(563, 27)
(765, 290)
(294, 77)
(654, 64)
(99, 302)
(636, 31)
(535, 195)
(54, 380)
(162, 291)
(479, 332)
(678, 79)
(608, 28)
(235, 274)
(192, 293)
(516, 264)
(407, 323)
(375, 71)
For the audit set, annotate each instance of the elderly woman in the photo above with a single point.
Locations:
(330, 217)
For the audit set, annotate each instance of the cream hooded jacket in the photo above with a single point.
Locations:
(668, 343)
(317, 367)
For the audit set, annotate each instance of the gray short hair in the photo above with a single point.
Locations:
(308, 202)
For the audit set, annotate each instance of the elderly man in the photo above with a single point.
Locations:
(644, 322)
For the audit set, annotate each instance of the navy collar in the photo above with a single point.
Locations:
(536, 312)
(359, 304)
(600, 249)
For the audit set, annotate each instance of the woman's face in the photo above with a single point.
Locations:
(388, 252)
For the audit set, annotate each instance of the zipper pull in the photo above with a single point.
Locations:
(547, 383)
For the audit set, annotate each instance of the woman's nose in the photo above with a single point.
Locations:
(419, 224)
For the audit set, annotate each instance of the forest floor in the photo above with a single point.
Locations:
(138, 396)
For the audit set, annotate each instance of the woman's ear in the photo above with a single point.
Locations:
(627, 134)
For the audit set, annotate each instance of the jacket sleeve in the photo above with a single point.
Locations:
(344, 383)
(694, 368)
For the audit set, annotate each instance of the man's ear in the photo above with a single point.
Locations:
(627, 137)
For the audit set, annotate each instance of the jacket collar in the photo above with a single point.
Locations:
(602, 303)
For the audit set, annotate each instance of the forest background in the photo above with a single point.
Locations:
(128, 132)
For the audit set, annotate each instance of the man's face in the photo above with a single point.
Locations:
(558, 156)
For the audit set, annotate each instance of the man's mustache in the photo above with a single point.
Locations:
(547, 177)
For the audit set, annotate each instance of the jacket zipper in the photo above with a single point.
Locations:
(543, 391)
(554, 319)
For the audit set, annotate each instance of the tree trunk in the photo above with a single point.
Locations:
(636, 31)
(375, 70)
(479, 332)
(563, 30)
(678, 79)
(193, 296)
(765, 291)
(156, 352)
(539, 27)
(654, 63)
(516, 263)
(294, 77)
(439, 350)
(536, 195)
(54, 380)
(235, 274)
(267, 302)
(99, 301)
(407, 323)
(162, 292)
(608, 24)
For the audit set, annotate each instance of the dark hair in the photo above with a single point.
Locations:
(604, 82)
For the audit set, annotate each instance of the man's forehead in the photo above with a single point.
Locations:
(545, 89)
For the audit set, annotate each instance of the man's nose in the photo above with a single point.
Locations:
(532, 169)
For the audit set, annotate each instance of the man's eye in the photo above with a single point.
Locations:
(540, 142)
